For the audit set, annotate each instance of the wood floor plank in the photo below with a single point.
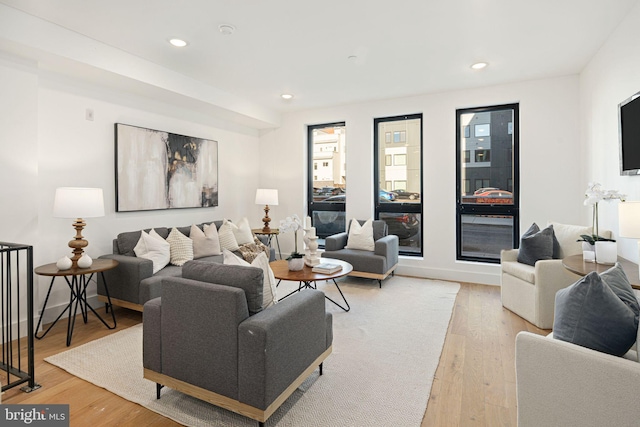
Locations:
(474, 384)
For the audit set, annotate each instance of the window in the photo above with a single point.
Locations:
(400, 160)
(387, 160)
(387, 137)
(327, 189)
(466, 156)
(401, 210)
(487, 216)
(483, 156)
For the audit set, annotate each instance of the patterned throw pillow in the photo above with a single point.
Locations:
(227, 238)
(181, 247)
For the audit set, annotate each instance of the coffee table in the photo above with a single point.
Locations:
(307, 278)
(577, 265)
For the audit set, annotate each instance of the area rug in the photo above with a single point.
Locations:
(385, 353)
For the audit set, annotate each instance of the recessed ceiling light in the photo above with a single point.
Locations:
(178, 42)
(479, 65)
(226, 29)
(286, 96)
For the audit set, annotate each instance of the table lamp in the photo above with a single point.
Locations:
(266, 197)
(629, 221)
(79, 203)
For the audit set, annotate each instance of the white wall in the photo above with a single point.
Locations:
(612, 76)
(45, 143)
(552, 179)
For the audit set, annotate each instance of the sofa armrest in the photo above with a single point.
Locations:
(336, 242)
(388, 247)
(151, 337)
(560, 384)
(124, 280)
(508, 255)
(278, 344)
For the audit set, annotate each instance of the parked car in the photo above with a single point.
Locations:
(403, 225)
(404, 194)
(484, 190)
(496, 194)
(388, 196)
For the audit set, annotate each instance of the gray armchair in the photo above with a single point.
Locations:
(378, 264)
(199, 339)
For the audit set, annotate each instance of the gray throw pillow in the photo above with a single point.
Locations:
(598, 312)
(249, 279)
(536, 244)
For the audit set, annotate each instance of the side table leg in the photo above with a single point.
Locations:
(44, 307)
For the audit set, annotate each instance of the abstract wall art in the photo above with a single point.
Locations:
(163, 170)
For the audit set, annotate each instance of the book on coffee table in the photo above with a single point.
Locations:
(326, 268)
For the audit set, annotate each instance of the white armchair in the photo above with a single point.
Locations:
(563, 384)
(530, 291)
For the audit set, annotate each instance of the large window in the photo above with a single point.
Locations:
(487, 183)
(327, 178)
(398, 189)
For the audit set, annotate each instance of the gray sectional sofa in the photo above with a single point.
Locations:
(132, 283)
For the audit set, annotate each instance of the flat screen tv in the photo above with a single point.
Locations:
(629, 131)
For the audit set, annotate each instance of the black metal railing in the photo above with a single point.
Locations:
(16, 278)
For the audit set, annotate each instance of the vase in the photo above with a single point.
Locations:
(64, 263)
(85, 261)
(296, 264)
(606, 252)
(588, 252)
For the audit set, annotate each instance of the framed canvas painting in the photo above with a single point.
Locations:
(163, 170)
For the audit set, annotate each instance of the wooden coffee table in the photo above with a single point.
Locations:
(577, 265)
(307, 278)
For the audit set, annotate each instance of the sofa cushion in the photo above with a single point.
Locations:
(568, 236)
(361, 236)
(205, 243)
(535, 245)
(521, 271)
(227, 238)
(599, 311)
(153, 247)
(269, 281)
(181, 247)
(249, 279)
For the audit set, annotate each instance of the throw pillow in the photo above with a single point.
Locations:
(242, 232)
(536, 245)
(181, 247)
(598, 312)
(205, 242)
(227, 238)
(568, 236)
(249, 279)
(153, 247)
(361, 236)
(269, 284)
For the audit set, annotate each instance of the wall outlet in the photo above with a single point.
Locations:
(89, 114)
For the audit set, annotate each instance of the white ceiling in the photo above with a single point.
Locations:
(405, 47)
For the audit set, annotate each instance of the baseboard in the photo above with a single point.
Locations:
(450, 275)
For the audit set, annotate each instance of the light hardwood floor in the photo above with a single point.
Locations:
(474, 384)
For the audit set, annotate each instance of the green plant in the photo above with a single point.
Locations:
(592, 238)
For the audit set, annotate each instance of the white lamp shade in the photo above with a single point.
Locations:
(266, 196)
(73, 202)
(629, 219)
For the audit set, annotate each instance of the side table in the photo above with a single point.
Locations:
(270, 235)
(77, 279)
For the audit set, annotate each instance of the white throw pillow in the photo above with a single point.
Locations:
(205, 243)
(227, 238)
(242, 231)
(269, 285)
(361, 236)
(567, 236)
(153, 247)
(181, 247)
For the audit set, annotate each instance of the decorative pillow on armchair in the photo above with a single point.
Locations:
(536, 244)
(599, 311)
(568, 236)
(269, 280)
(361, 236)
